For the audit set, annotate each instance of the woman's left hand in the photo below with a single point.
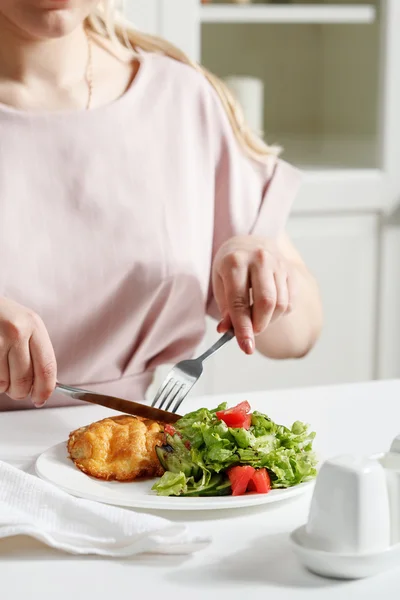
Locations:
(254, 285)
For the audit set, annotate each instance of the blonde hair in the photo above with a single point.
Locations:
(107, 21)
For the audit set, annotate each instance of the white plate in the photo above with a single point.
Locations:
(55, 466)
(343, 566)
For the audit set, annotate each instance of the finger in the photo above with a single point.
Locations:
(219, 293)
(220, 298)
(21, 372)
(4, 370)
(236, 284)
(282, 295)
(224, 325)
(264, 297)
(44, 366)
(293, 290)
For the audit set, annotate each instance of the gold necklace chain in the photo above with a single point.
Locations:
(89, 72)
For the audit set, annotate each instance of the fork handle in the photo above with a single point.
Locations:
(218, 344)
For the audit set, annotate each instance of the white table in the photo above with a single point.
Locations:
(250, 556)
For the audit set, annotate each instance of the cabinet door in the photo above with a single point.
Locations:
(389, 299)
(144, 14)
(342, 252)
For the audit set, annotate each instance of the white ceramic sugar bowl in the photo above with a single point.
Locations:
(352, 527)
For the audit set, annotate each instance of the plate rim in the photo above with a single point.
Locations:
(166, 503)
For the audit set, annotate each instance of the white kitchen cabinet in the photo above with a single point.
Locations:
(331, 72)
(388, 354)
(332, 86)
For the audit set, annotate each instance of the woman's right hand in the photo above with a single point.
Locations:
(27, 362)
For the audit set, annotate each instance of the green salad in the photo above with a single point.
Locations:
(232, 451)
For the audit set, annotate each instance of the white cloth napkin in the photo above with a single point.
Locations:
(30, 506)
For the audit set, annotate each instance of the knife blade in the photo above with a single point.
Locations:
(124, 406)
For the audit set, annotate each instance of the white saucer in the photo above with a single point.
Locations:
(343, 566)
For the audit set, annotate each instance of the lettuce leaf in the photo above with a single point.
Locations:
(171, 484)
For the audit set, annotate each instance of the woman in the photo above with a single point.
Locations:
(133, 202)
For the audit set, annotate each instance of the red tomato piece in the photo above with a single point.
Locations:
(242, 407)
(169, 429)
(187, 444)
(251, 488)
(239, 478)
(236, 416)
(247, 422)
(260, 482)
(234, 420)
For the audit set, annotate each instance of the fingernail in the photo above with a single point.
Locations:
(38, 404)
(248, 346)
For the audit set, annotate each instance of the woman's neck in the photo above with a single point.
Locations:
(59, 62)
(61, 73)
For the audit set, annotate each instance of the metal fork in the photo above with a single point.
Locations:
(183, 376)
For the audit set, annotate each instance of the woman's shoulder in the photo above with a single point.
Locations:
(181, 81)
(192, 100)
(175, 70)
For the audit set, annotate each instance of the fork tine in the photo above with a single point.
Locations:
(171, 390)
(161, 390)
(181, 399)
(174, 396)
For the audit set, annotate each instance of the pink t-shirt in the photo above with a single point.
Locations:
(110, 218)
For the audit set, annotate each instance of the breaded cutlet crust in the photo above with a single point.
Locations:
(118, 448)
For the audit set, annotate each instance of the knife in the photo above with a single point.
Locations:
(124, 406)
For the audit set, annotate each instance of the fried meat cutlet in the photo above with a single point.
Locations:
(117, 448)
